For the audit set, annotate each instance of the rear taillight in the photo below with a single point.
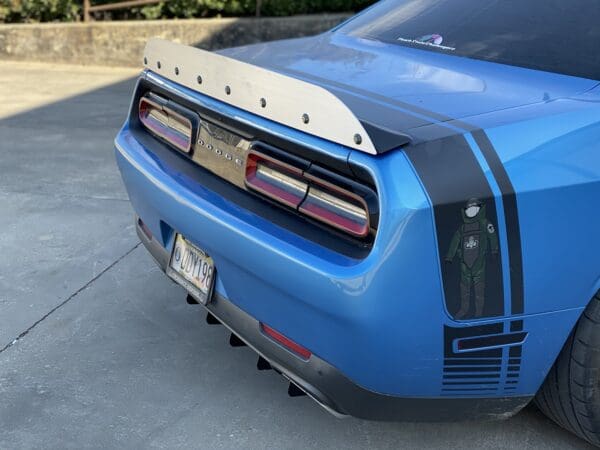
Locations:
(163, 121)
(277, 180)
(336, 207)
(286, 178)
(308, 194)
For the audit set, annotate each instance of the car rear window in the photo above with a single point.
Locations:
(561, 36)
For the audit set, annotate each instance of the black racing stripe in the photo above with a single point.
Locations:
(460, 377)
(513, 231)
(472, 369)
(471, 362)
(491, 341)
(340, 88)
(469, 389)
(451, 176)
(417, 123)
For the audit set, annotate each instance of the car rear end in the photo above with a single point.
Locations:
(358, 207)
(312, 218)
(323, 258)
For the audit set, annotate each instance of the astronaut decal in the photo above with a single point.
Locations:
(471, 244)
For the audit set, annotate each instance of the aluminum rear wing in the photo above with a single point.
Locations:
(274, 96)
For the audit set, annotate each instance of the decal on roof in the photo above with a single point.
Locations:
(513, 229)
(429, 40)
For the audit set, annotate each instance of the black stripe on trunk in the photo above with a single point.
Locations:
(509, 201)
(451, 176)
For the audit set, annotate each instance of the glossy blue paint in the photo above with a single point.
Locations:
(398, 76)
(343, 311)
(380, 320)
(553, 162)
(502, 233)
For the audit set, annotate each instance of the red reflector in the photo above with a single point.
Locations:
(286, 342)
(145, 229)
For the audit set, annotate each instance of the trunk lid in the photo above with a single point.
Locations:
(406, 90)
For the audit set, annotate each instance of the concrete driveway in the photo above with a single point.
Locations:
(97, 348)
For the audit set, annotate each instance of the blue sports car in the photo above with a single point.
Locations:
(398, 215)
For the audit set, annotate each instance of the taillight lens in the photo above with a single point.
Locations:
(166, 123)
(275, 179)
(308, 194)
(338, 210)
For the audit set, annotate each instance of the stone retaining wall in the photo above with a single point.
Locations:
(121, 43)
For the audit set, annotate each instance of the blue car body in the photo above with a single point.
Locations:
(525, 142)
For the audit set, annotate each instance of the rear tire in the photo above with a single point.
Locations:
(570, 395)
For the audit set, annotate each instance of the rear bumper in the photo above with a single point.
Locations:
(375, 323)
(329, 387)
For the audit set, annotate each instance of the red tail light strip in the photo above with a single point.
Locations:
(308, 194)
(275, 179)
(287, 179)
(166, 123)
(286, 342)
(328, 209)
(336, 206)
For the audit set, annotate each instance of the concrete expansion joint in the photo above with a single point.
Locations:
(65, 196)
(69, 298)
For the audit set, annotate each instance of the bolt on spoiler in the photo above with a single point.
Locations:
(274, 96)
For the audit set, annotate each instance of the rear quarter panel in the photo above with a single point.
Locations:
(554, 165)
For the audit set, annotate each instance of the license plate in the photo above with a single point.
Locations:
(192, 268)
